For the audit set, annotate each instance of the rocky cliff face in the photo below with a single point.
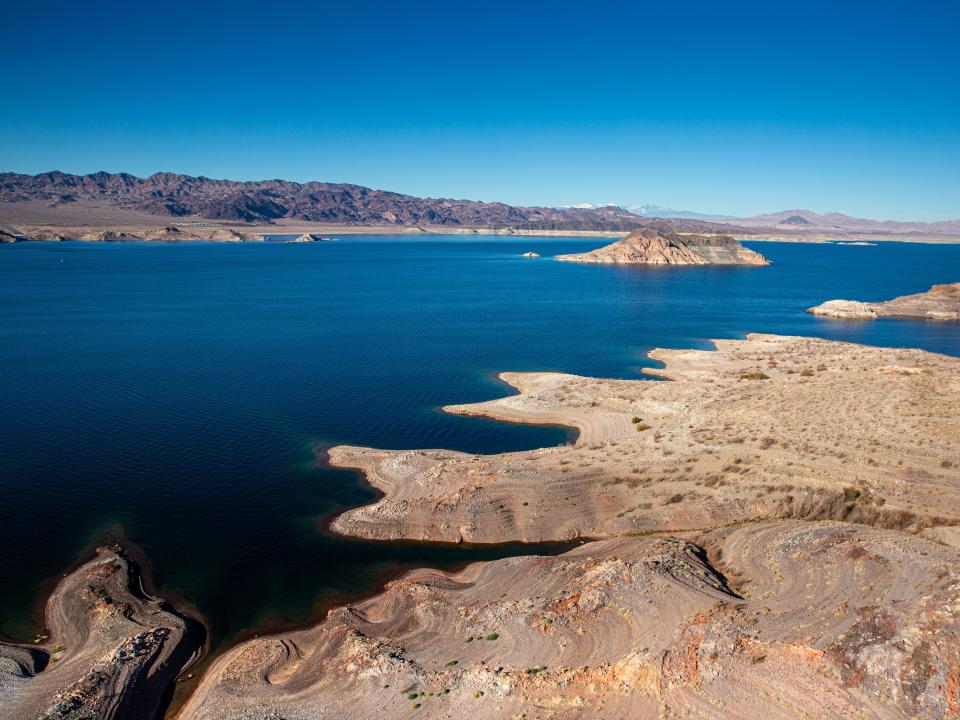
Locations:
(941, 302)
(665, 247)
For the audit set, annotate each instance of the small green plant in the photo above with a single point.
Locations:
(416, 705)
(636, 420)
(470, 639)
(524, 503)
(451, 663)
(492, 636)
(412, 696)
(642, 426)
(755, 375)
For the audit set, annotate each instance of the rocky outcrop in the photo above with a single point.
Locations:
(941, 302)
(228, 235)
(307, 238)
(659, 247)
(531, 255)
(850, 309)
(11, 235)
(824, 620)
(108, 236)
(109, 651)
(171, 233)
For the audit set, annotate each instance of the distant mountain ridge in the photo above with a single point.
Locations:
(53, 196)
(655, 211)
(174, 195)
(666, 212)
(835, 220)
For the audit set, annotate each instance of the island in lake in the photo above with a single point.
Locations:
(665, 247)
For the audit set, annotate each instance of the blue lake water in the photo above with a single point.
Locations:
(172, 394)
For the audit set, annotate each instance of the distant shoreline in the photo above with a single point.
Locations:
(48, 232)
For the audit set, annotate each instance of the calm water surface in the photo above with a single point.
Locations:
(172, 394)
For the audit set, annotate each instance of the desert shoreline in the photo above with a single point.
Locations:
(685, 532)
(72, 232)
(344, 635)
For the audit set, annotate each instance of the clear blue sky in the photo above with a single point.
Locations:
(730, 107)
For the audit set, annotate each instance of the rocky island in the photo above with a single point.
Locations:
(940, 302)
(664, 247)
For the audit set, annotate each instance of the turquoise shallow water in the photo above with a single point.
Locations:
(172, 394)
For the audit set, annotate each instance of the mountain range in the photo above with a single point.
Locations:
(836, 220)
(184, 196)
(188, 198)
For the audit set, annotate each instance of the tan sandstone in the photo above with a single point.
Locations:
(940, 302)
(662, 247)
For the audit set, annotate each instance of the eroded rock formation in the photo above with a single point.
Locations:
(110, 650)
(773, 533)
(664, 247)
(940, 302)
(826, 620)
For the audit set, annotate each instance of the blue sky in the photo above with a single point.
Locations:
(727, 107)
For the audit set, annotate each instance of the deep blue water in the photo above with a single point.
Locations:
(172, 394)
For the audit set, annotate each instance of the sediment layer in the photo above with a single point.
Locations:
(825, 620)
(940, 302)
(665, 247)
(743, 611)
(770, 426)
(109, 650)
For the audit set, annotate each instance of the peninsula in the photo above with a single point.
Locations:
(940, 302)
(748, 546)
(109, 650)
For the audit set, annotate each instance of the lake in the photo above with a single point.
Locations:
(173, 395)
